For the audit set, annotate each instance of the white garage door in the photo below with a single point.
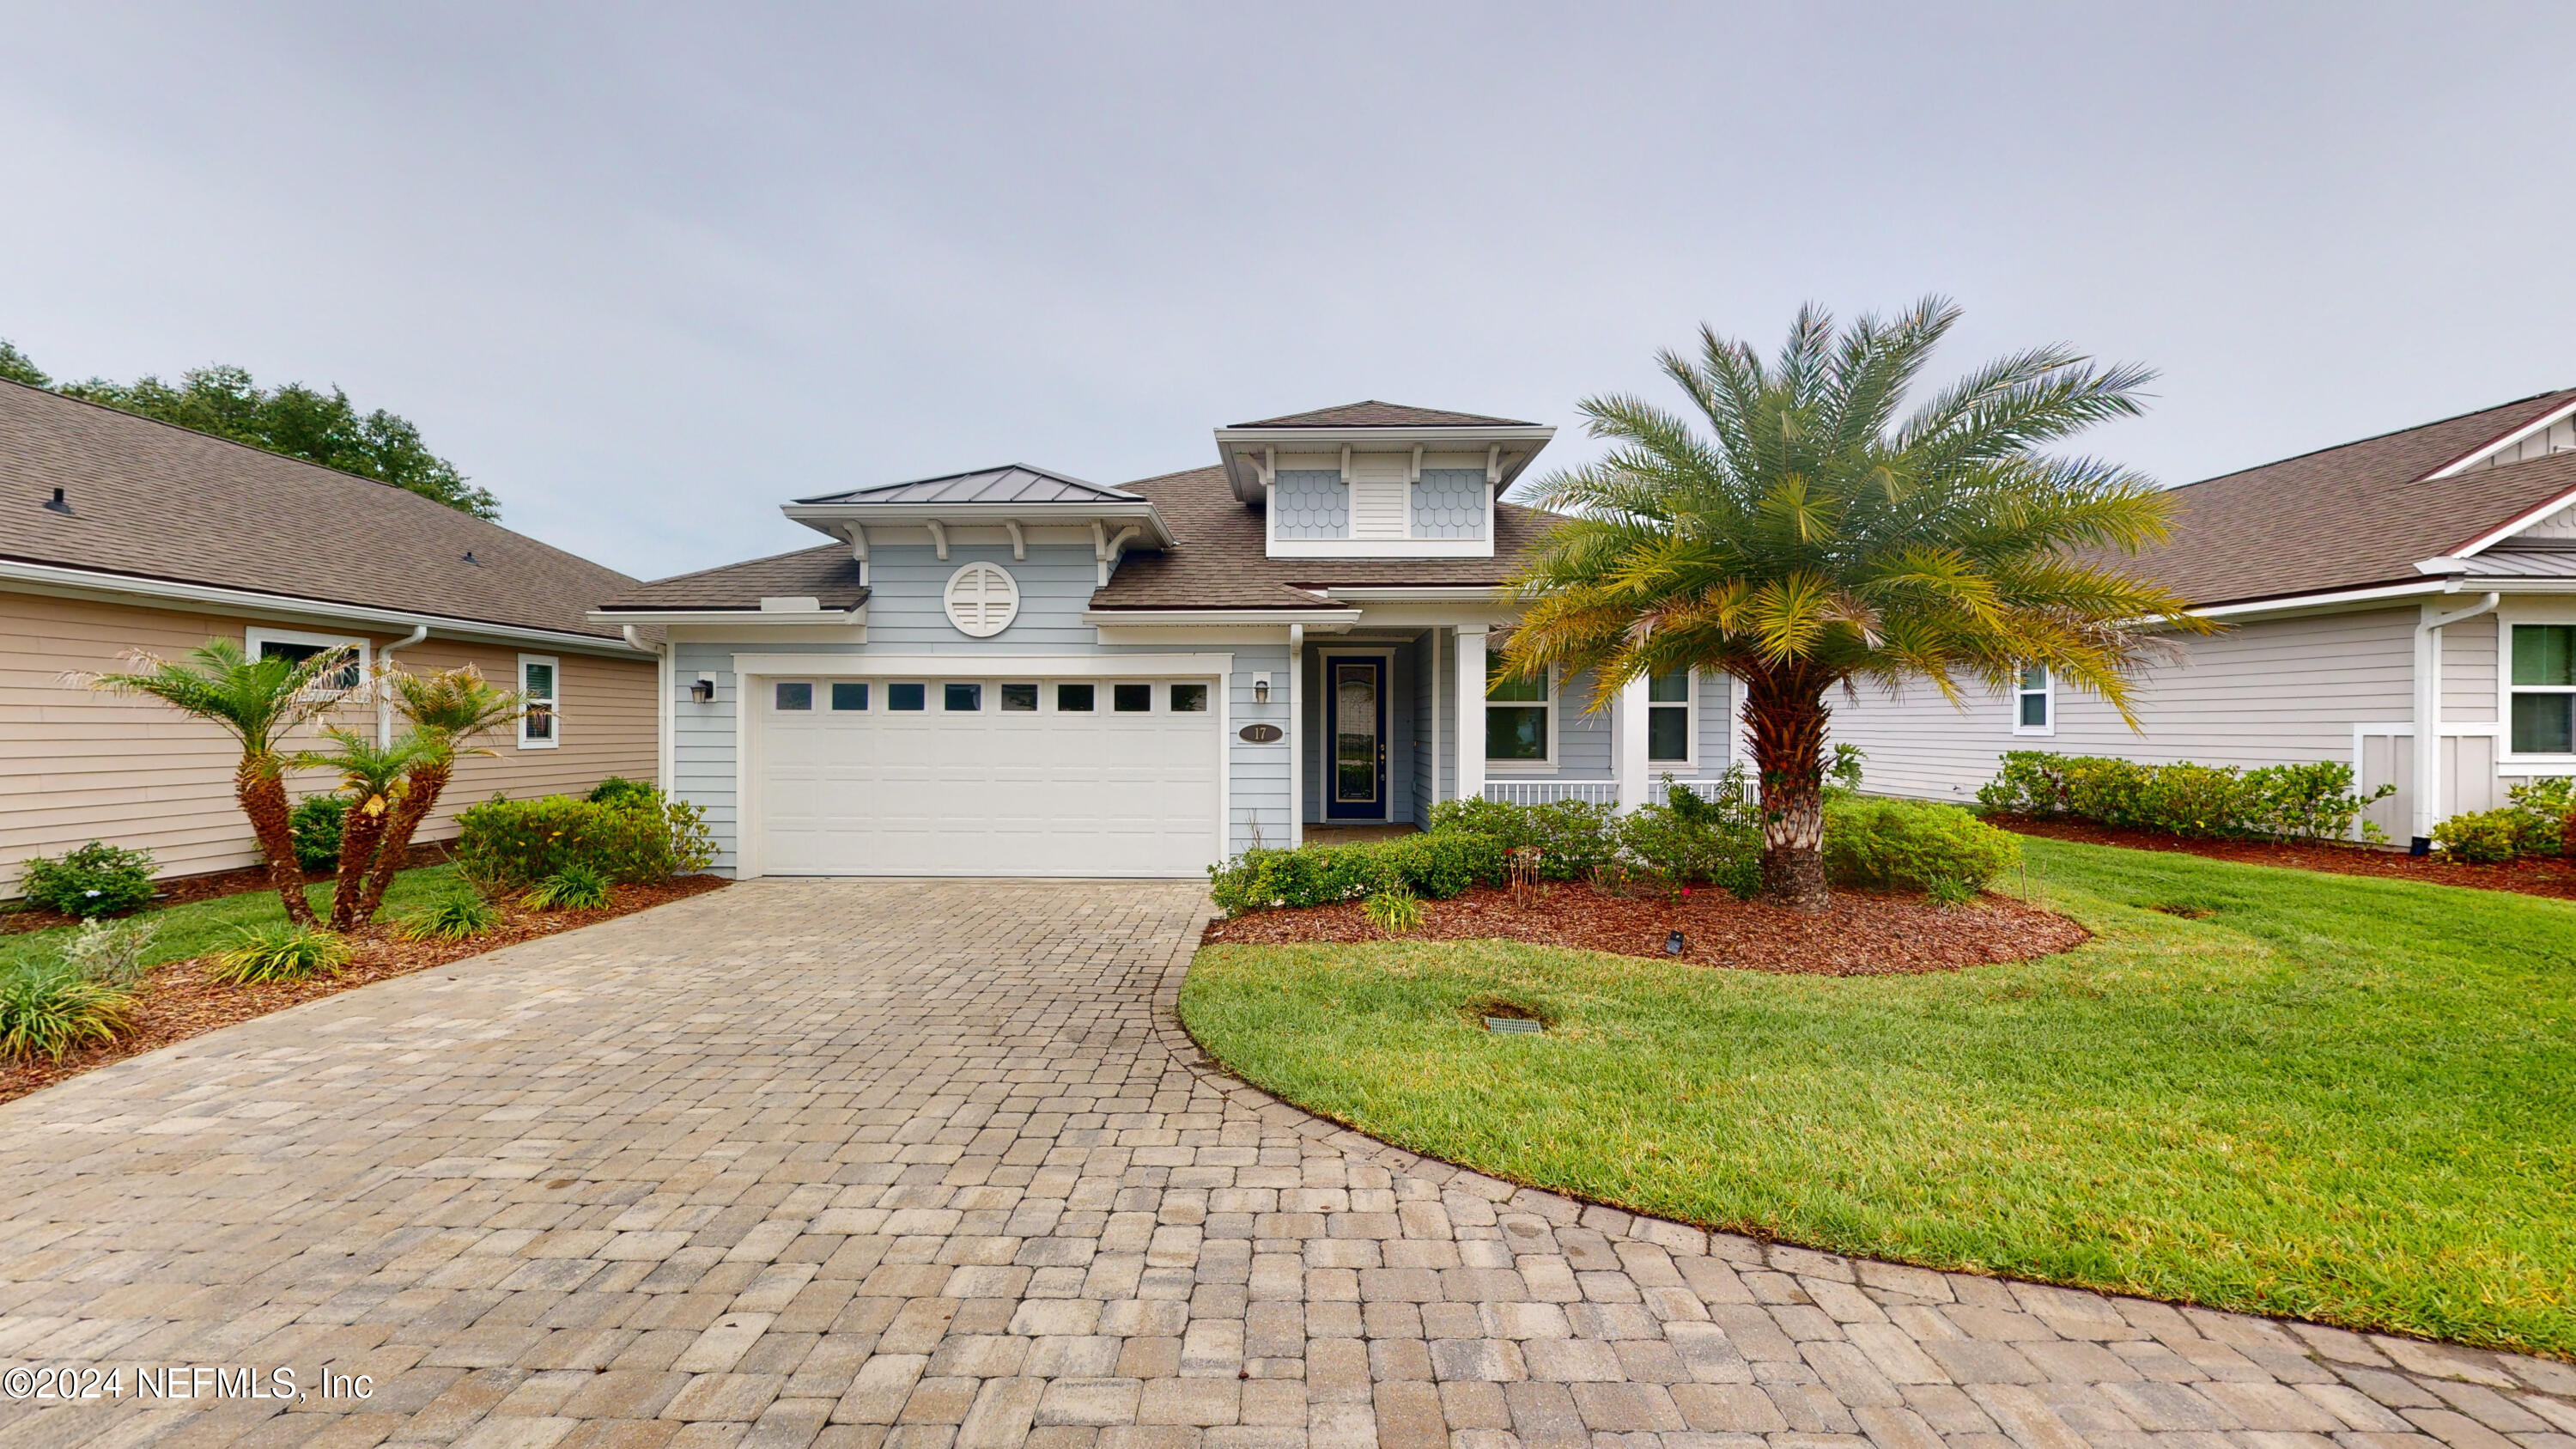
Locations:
(1088, 777)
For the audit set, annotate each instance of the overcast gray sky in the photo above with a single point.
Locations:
(647, 271)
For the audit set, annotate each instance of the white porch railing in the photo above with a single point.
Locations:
(1548, 792)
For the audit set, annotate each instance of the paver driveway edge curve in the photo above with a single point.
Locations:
(933, 1165)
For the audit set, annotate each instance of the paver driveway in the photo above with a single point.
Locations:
(909, 1165)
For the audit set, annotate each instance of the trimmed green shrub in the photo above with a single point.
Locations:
(315, 822)
(504, 844)
(96, 880)
(573, 888)
(456, 917)
(1437, 866)
(2549, 806)
(1571, 836)
(50, 1008)
(1941, 850)
(110, 952)
(2304, 802)
(1680, 846)
(618, 790)
(282, 952)
(2482, 837)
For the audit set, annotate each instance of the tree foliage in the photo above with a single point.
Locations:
(291, 418)
(1813, 536)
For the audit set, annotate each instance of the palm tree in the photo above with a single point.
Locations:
(377, 778)
(259, 702)
(446, 710)
(1812, 538)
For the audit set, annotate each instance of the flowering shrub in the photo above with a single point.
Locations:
(96, 880)
(505, 844)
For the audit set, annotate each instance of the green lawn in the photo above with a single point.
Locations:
(199, 926)
(2335, 1097)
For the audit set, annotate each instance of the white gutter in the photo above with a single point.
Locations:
(94, 581)
(1296, 737)
(1427, 594)
(729, 616)
(2428, 713)
(384, 701)
(2294, 602)
(1322, 621)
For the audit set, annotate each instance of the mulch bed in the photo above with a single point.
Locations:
(178, 1000)
(2531, 876)
(1861, 935)
(182, 890)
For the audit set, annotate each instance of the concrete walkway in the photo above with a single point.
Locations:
(907, 1165)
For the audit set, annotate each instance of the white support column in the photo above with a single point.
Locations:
(1636, 777)
(1471, 711)
(1296, 736)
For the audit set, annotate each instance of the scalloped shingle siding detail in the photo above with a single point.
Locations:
(1450, 503)
(1312, 503)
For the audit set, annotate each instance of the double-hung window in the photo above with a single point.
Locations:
(1520, 716)
(1670, 711)
(2543, 688)
(298, 646)
(2035, 703)
(540, 728)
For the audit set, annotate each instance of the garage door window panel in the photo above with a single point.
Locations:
(1132, 698)
(794, 695)
(849, 696)
(962, 698)
(1019, 698)
(1074, 699)
(907, 697)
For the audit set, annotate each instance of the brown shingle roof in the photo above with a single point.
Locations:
(1374, 414)
(827, 573)
(155, 501)
(1220, 561)
(2350, 516)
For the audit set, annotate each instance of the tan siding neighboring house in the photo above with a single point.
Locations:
(118, 533)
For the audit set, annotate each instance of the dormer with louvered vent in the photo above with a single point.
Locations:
(1376, 480)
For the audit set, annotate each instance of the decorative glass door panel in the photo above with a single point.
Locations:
(1356, 787)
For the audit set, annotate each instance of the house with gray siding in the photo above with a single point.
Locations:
(1016, 672)
(2405, 604)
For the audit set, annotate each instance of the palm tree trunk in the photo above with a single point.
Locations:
(427, 781)
(1787, 717)
(360, 832)
(261, 790)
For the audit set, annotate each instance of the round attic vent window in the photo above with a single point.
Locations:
(982, 600)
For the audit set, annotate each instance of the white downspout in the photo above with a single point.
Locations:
(662, 721)
(1296, 737)
(2428, 714)
(1435, 724)
(384, 697)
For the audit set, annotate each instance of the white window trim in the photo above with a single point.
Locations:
(1690, 731)
(2506, 618)
(257, 635)
(1548, 766)
(2047, 692)
(554, 706)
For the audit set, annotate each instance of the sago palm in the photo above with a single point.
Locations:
(1812, 537)
(377, 781)
(447, 710)
(259, 701)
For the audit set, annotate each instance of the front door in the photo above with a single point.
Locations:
(1355, 784)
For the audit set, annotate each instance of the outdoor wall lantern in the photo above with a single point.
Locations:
(704, 690)
(1261, 688)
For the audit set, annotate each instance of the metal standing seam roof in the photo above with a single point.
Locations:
(1012, 483)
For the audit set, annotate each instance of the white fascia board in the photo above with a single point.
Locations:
(985, 666)
(841, 617)
(821, 516)
(2303, 603)
(86, 583)
(1414, 594)
(1535, 437)
(1317, 621)
(1381, 548)
(2498, 445)
(2516, 524)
